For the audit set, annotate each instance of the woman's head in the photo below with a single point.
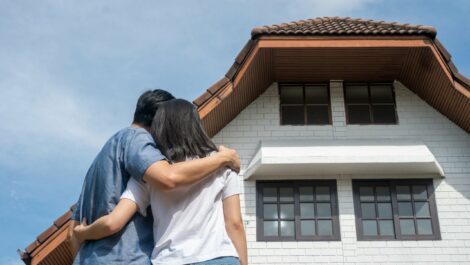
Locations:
(178, 131)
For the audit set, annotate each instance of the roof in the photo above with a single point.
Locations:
(43, 239)
(334, 26)
(218, 105)
(324, 26)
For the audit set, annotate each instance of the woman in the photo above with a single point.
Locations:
(196, 224)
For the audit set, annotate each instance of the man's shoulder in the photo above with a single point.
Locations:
(130, 133)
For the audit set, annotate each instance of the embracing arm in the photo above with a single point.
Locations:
(107, 225)
(169, 176)
(234, 226)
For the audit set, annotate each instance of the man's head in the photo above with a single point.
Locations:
(147, 105)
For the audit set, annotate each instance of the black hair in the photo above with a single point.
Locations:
(147, 106)
(178, 131)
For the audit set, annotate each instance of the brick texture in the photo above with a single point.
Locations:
(449, 143)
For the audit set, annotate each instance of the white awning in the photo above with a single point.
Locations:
(378, 157)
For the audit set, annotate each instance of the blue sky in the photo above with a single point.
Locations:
(71, 71)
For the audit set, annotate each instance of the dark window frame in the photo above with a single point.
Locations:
(304, 104)
(392, 183)
(370, 104)
(336, 233)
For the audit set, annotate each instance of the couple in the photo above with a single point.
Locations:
(164, 160)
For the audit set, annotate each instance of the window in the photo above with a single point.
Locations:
(297, 211)
(370, 104)
(395, 210)
(305, 104)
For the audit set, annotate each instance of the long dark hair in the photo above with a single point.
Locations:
(178, 131)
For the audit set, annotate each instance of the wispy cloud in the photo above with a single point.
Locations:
(39, 111)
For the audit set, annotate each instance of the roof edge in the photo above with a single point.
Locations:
(458, 77)
(283, 28)
(56, 226)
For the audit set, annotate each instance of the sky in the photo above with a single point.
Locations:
(71, 72)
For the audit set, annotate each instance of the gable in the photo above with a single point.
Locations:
(330, 48)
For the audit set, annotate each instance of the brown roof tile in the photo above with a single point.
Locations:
(218, 85)
(46, 234)
(242, 54)
(232, 71)
(202, 99)
(342, 26)
(63, 219)
(32, 247)
(56, 226)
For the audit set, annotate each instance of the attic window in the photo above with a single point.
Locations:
(305, 104)
(370, 104)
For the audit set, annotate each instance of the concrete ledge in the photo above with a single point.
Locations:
(378, 157)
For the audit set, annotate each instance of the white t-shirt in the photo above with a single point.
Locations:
(189, 222)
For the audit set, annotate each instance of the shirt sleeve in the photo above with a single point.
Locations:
(76, 212)
(141, 153)
(139, 193)
(232, 186)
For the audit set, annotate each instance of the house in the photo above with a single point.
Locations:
(354, 141)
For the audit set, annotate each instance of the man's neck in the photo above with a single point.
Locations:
(136, 125)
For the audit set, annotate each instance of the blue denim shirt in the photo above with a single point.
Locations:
(128, 153)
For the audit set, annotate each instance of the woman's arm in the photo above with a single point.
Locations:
(109, 224)
(234, 226)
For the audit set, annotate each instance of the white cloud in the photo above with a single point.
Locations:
(38, 112)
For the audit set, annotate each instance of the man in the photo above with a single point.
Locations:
(132, 152)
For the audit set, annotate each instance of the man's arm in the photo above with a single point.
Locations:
(106, 225)
(234, 226)
(169, 176)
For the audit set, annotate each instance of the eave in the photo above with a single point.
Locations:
(416, 61)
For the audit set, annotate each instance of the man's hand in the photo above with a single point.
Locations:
(75, 242)
(78, 232)
(231, 156)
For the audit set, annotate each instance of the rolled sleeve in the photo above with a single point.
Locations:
(76, 212)
(141, 153)
(232, 186)
(137, 192)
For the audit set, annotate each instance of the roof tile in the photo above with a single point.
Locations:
(32, 247)
(202, 98)
(232, 71)
(242, 54)
(343, 26)
(218, 85)
(63, 219)
(46, 234)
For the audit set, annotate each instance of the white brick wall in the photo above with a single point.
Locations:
(418, 120)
